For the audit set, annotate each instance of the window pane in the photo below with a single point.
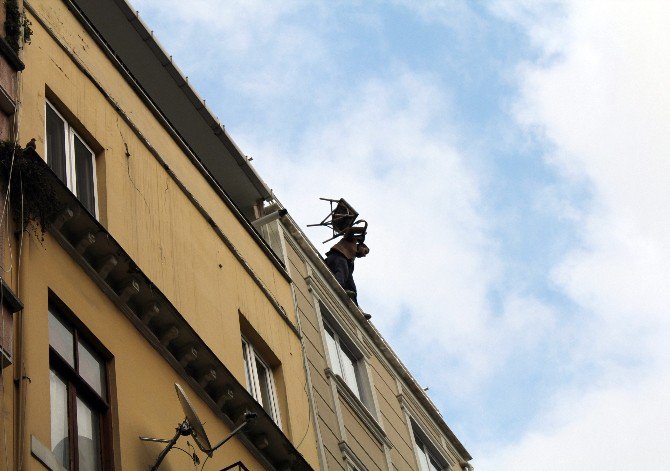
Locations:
(88, 439)
(59, 423)
(423, 459)
(61, 338)
(349, 367)
(332, 353)
(92, 369)
(247, 368)
(56, 144)
(264, 386)
(433, 464)
(84, 171)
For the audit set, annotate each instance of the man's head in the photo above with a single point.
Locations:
(362, 250)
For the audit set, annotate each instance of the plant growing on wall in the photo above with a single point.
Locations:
(32, 197)
(16, 24)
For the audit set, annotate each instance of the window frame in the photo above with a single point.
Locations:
(78, 388)
(427, 449)
(70, 155)
(342, 349)
(249, 353)
(426, 453)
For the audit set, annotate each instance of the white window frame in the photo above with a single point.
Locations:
(341, 371)
(423, 447)
(250, 357)
(70, 169)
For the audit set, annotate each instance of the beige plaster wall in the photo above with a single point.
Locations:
(387, 408)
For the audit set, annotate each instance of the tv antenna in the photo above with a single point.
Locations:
(191, 425)
(342, 219)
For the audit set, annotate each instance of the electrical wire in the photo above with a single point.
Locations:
(305, 363)
(2, 357)
(181, 449)
(203, 463)
(309, 417)
(23, 392)
(2, 379)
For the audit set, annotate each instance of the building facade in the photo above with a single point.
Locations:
(137, 264)
(369, 411)
(149, 273)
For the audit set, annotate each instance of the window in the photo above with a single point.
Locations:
(79, 404)
(342, 361)
(70, 158)
(260, 382)
(426, 458)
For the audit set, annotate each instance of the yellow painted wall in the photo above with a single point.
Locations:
(144, 401)
(157, 225)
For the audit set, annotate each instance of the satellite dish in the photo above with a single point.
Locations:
(197, 430)
(191, 425)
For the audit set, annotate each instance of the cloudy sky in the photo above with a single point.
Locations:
(513, 161)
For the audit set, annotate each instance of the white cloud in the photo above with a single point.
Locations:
(389, 149)
(390, 145)
(253, 46)
(599, 95)
(612, 428)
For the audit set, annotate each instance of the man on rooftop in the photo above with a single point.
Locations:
(341, 256)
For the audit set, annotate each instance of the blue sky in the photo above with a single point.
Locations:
(512, 160)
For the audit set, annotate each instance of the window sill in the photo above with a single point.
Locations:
(11, 56)
(359, 408)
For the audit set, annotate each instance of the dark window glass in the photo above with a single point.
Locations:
(70, 158)
(247, 367)
(264, 386)
(56, 144)
(83, 158)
